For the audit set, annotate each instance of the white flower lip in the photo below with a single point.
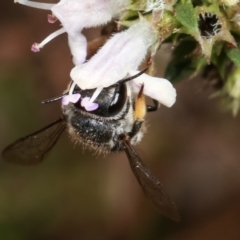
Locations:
(159, 89)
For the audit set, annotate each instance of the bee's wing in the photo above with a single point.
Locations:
(32, 149)
(151, 186)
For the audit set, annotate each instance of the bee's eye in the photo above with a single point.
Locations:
(118, 100)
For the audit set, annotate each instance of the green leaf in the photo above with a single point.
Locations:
(185, 48)
(180, 67)
(234, 55)
(178, 70)
(219, 59)
(187, 16)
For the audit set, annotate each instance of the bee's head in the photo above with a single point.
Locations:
(109, 102)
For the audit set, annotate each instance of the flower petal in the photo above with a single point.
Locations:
(78, 14)
(123, 52)
(78, 48)
(75, 15)
(159, 89)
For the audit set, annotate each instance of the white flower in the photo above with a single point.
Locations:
(75, 15)
(78, 14)
(120, 57)
(78, 48)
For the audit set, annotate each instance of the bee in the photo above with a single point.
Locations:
(116, 125)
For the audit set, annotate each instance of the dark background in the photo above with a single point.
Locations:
(192, 147)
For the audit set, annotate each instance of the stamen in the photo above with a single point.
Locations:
(96, 93)
(45, 6)
(36, 46)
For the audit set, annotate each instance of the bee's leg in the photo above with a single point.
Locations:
(153, 108)
(140, 105)
(136, 127)
(140, 112)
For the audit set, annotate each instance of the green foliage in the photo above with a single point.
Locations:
(203, 33)
(207, 34)
(234, 55)
(187, 16)
(181, 65)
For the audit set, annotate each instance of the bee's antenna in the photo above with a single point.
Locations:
(133, 77)
(50, 100)
(118, 84)
(71, 91)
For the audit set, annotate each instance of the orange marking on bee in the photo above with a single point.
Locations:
(140, 105)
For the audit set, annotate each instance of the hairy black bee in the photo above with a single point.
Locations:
(116, 125)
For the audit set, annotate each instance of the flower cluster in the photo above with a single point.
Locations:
(122, 54)
(203, 32)
(214, 30)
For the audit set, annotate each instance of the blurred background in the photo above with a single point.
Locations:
(193, 148)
